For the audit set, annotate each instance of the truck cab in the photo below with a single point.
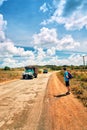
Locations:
(30, 72)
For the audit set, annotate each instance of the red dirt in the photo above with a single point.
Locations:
(61, 112)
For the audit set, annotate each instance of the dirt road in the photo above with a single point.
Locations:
(40, 104)
(60, 111)
(21, 103)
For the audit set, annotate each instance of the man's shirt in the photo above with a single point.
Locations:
(66, 75)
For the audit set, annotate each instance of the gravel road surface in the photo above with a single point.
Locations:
(21, 103)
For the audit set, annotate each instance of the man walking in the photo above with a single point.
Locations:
(66, 79)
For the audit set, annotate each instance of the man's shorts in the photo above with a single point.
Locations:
(67, 83)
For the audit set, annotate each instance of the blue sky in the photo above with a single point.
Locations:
(43, 32)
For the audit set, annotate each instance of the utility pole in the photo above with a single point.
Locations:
(83, 61)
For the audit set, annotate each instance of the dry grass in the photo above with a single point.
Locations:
(9, 75)
(78, 84)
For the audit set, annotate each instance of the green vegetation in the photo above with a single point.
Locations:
(6, 68)
(78, 84)
(50, 67)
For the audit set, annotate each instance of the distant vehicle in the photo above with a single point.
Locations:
(45, 71)
(30, 72)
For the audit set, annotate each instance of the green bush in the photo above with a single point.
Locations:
(6, 68)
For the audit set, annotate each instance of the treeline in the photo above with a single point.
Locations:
(72, 67)
(50, 67)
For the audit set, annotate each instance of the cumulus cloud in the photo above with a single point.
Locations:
(8, 48)
(9, 62)
(73, 59)
(10, 54)
(40, 53)
(48, 38)
(73, 14)
(3, 24)
(44, 8)
(59, 8)
(46, 44)
(14, 56)
(51, 51)
(68, 43)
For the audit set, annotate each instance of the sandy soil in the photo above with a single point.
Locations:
(40, 104)
(21, 103)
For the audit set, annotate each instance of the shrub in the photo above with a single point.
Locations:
(6, 68)
(84, 78)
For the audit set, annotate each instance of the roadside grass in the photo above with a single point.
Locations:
(78, 84)
(9, 75)
(16, 73)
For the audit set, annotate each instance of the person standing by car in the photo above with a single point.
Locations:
(66, 79)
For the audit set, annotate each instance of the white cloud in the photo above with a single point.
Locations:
(44, 8)
(7, 48)
(76, 21)
(53, 61)
(13, 56)
(60, 8)
(12, 62)
(10, 54)
(48, 38)
(9, 62)
(3, 24)
(46, 43)
(68, 42)
(74, 59)
(51, 51)
(40, 54)
(2, 35)
(73, 19)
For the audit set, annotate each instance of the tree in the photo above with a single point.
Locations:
(6, 68)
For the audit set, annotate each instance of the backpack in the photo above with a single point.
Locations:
(69, 75)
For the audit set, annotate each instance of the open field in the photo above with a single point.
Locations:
(9, 75)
